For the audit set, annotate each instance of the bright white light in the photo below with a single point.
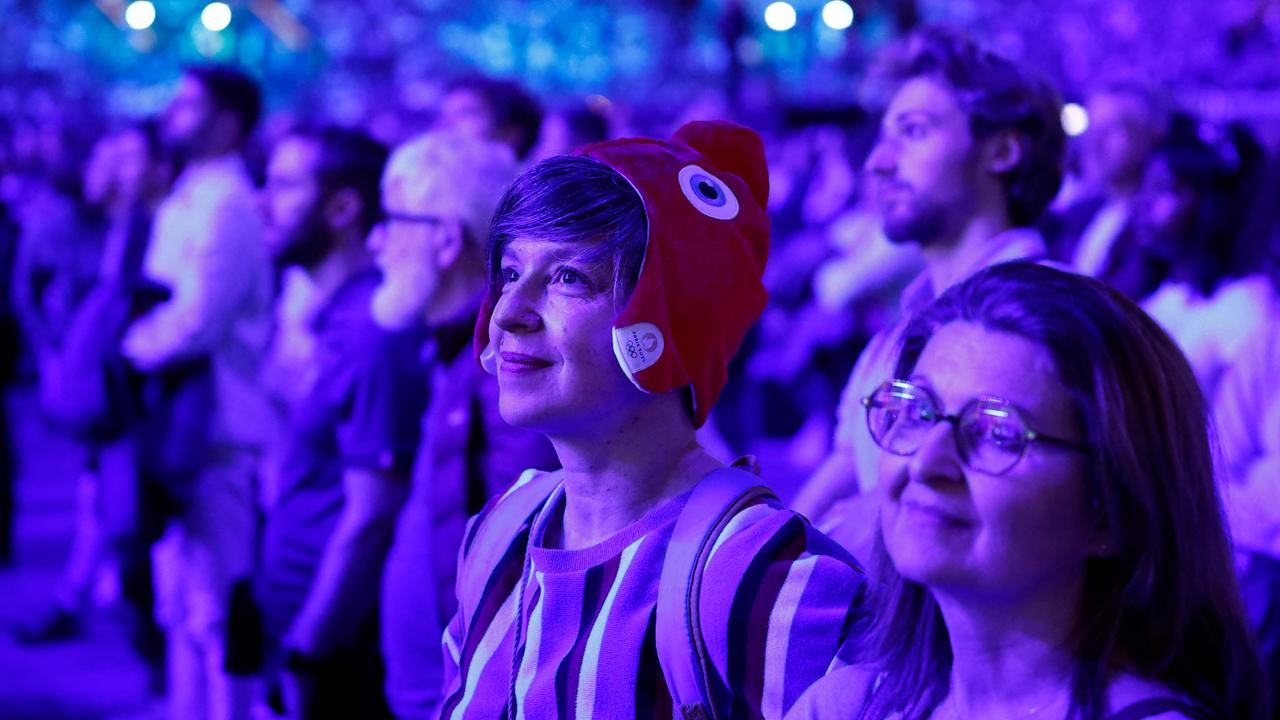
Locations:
(1075, 120)
(780, 16)
(216, 16)
(140, 14)
(837, 14)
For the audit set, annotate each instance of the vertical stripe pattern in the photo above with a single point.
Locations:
(775, 608)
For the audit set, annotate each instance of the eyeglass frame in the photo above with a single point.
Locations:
(1029, 436)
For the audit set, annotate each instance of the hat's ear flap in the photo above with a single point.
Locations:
(733, 149)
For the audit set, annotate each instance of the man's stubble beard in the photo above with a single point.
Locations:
(925, 224)
(306, 244)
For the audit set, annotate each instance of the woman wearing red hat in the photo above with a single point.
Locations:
(646, 578)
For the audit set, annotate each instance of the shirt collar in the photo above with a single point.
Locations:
(1019, 243)
(222, 166)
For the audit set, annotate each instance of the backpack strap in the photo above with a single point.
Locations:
(497, 528)
(682, 651)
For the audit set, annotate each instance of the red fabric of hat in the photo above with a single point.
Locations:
(700, 287)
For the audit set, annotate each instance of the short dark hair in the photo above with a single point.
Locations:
(149, 128)
(231, 90)
(512, 107)
(1167, 604)
(1220, 167)
(349, 158)
(998, 97)
(572, 198)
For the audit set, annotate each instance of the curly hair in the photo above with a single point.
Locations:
(997, 97)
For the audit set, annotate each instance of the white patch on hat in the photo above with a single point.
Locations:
(637, 347)
(707, 193)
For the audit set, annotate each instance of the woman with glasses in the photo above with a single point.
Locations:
(1052, 543)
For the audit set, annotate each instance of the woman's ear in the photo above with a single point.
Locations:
(1003, 152)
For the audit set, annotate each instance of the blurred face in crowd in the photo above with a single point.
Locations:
(406, 247)
(969, 533)
(465, 112)
(551, 330)
(1164, 205)
(293, 204)
(189, 118)
(924, 167)
(122, 169)
(138, 173)
(1118, 143)
(100, 171)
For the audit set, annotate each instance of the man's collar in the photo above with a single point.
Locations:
(1019, 243)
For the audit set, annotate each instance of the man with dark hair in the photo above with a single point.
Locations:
(970, 153)
(200, 346)
(339, 471)
(492, 109)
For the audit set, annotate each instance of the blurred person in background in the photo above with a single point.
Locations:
(568, 128)
(1188, 220)
(499, 110)
(338, 473)
(970, 153)
(200, 347)
(10, 347)
(54, 266)
(1247, 413)
(439, 192)
(86, 388)
(1094, 233)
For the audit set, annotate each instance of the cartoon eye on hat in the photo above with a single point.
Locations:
(707, 193)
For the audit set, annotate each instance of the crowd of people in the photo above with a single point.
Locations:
(446, 427)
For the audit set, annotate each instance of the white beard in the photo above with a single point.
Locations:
(399, 303)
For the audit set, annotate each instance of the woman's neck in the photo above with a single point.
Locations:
(1012, 661)
(625, 469)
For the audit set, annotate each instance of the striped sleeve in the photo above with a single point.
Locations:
(779, 600)
(454, 631)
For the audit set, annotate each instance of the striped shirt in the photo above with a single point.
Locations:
(778, 600)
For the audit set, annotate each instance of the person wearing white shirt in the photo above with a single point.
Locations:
(210, 332)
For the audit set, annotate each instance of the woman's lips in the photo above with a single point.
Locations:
(520, 364)
(935, 515)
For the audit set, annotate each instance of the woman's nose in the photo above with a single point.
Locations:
(517, 308)
(938, 457)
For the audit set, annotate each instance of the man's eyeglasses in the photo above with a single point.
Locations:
(990, 435)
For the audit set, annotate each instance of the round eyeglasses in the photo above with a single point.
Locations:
(990, 435)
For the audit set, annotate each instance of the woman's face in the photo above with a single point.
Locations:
(992, 537)
(551, 331)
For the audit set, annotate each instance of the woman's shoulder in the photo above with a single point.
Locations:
(1137, 698)
(769, 532)
(838, 694)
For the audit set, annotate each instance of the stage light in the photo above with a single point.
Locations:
(216, 16)
(837, 14)
(140, 14)
(1075, 119)
(780, 16)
